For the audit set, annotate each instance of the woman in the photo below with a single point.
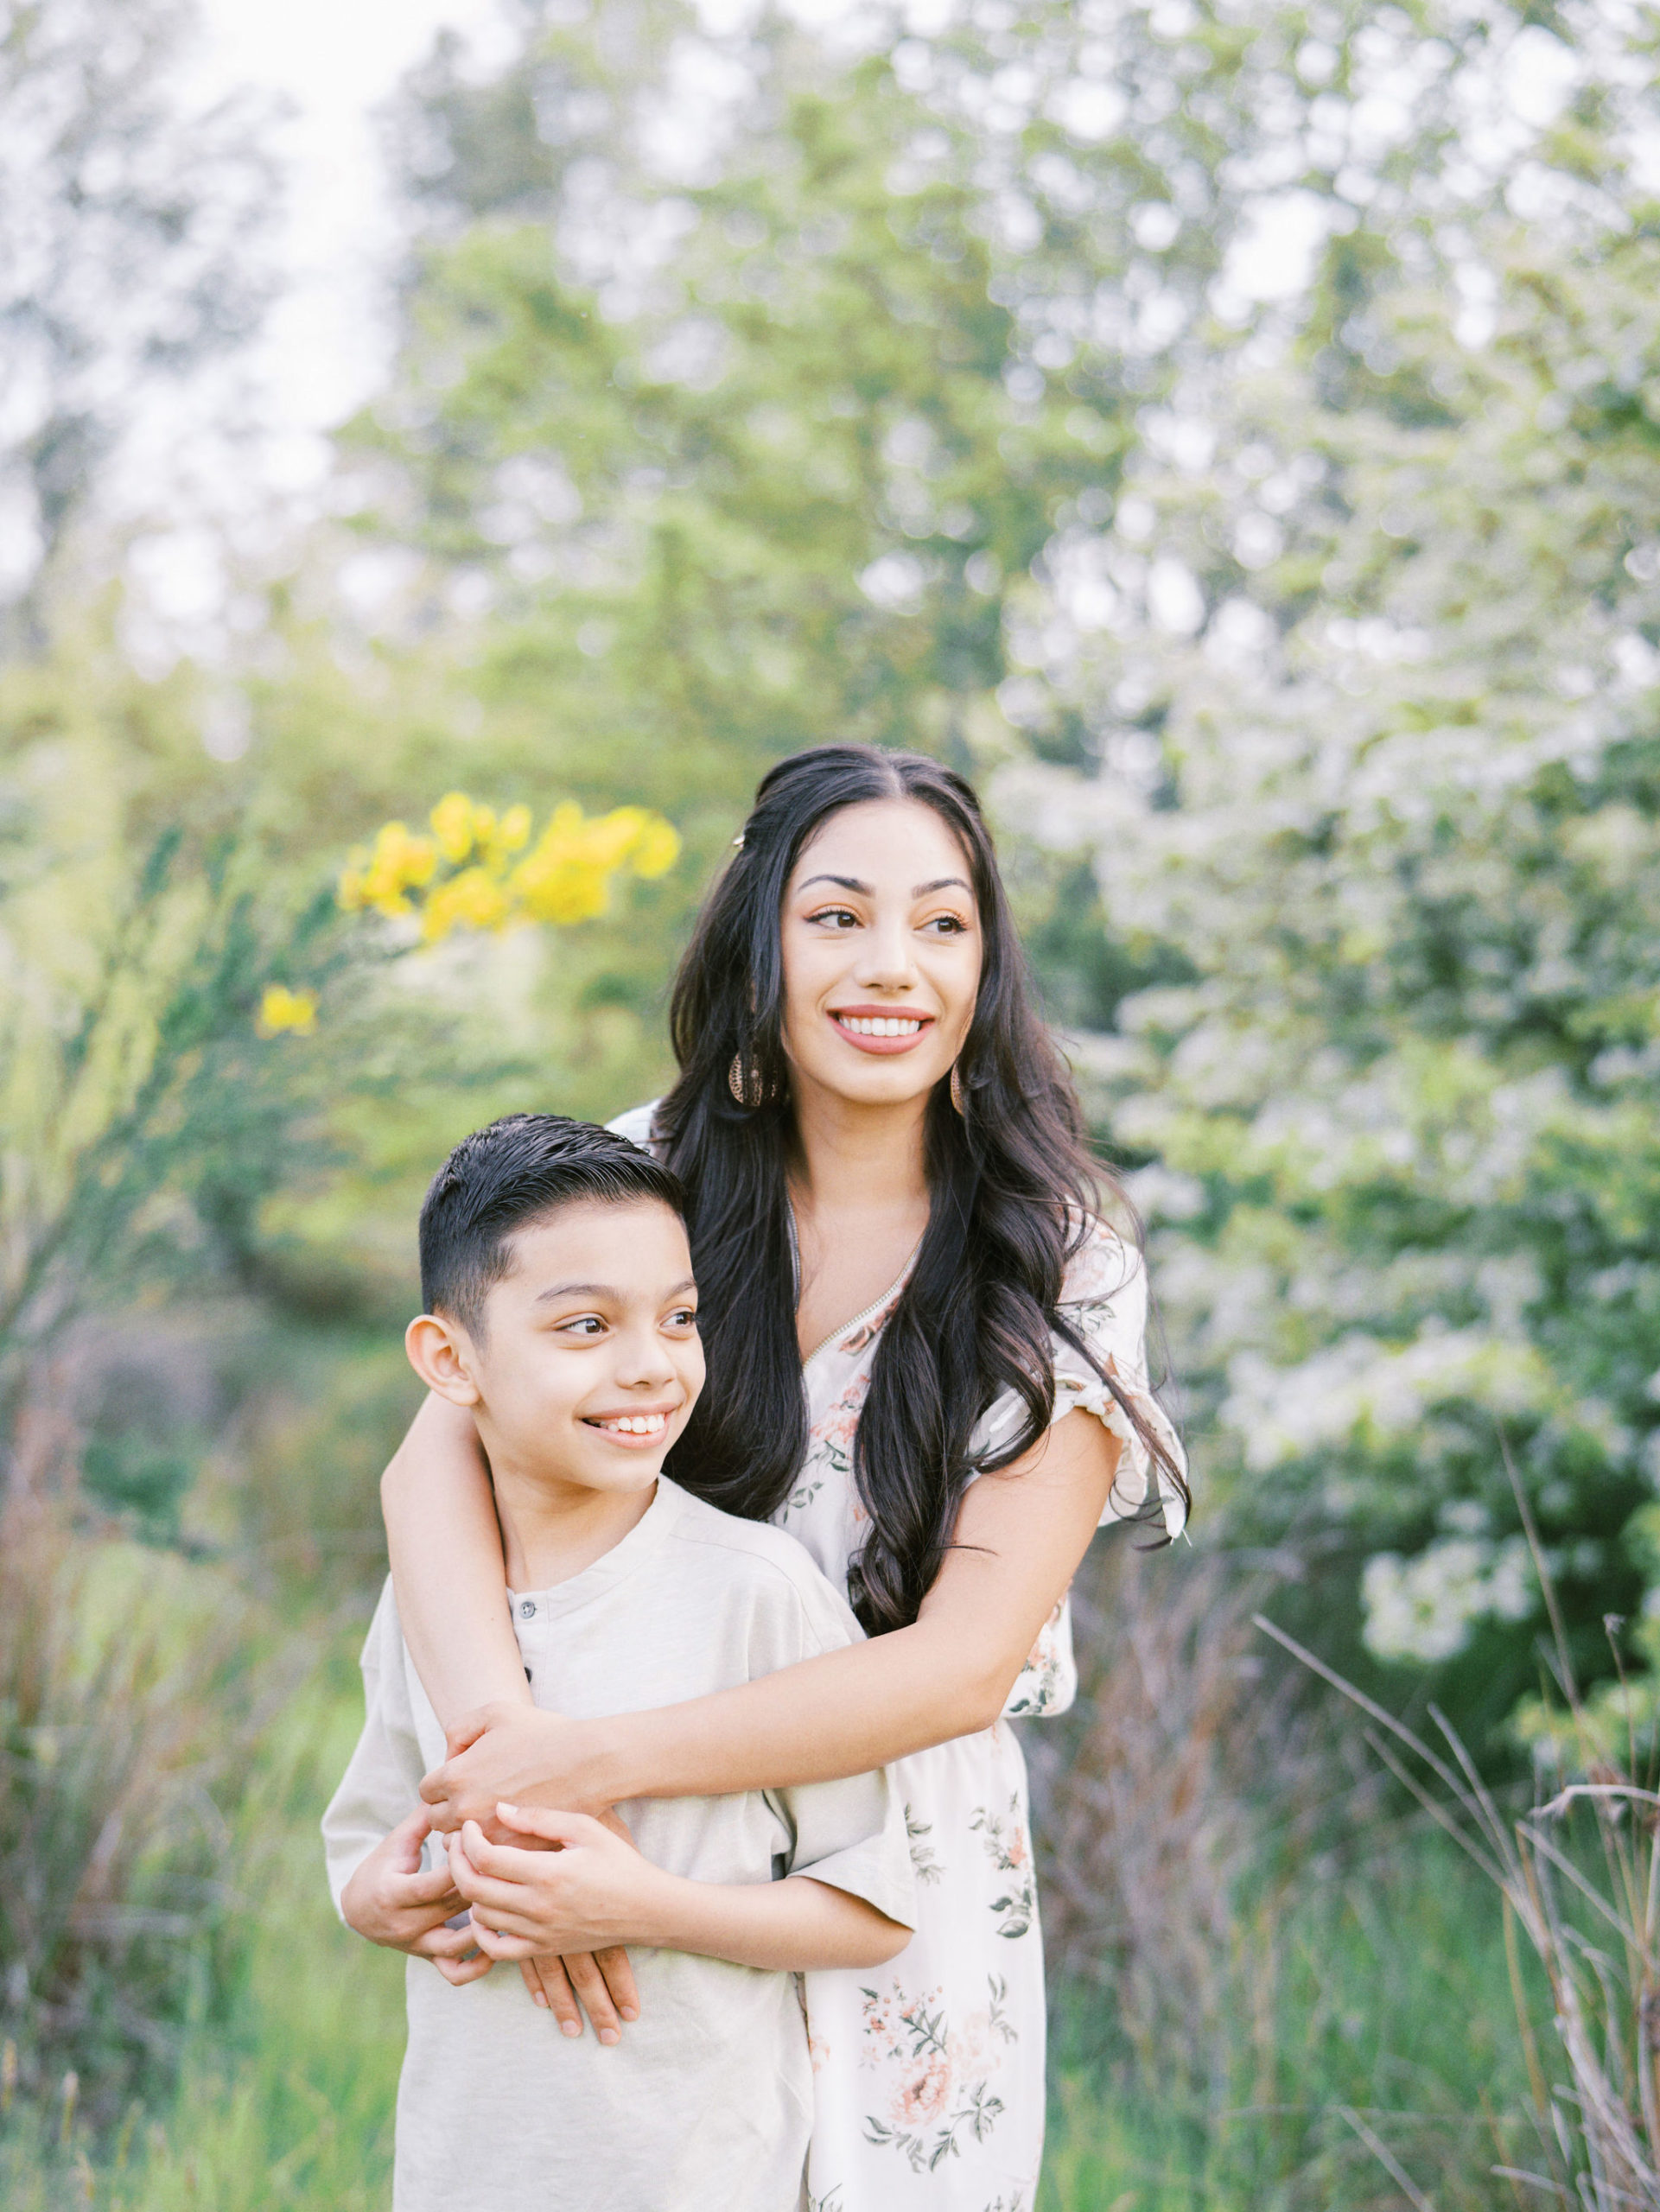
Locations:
(925, 1347)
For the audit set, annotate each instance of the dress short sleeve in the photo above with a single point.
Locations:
(638, 1126)
(1104, 1298)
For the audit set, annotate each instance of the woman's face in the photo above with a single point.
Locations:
(882, 951)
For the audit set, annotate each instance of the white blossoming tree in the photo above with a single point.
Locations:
(1367, 656)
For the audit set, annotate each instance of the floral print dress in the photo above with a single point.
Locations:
(928, 2073)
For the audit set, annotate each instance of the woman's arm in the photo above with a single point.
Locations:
(445, 1556)
(593, 1890)
(1020, 1538)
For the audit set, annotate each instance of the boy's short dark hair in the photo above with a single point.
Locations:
(516, 1171)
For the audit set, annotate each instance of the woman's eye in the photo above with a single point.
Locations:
(947, 925)
(684, 1318)
(840, 918)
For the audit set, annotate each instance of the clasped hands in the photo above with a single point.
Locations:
(548, 1890)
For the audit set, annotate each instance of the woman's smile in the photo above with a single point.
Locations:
(880, 1029)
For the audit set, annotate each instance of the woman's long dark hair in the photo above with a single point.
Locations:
(1012, 1191)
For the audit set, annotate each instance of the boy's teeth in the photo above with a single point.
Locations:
(887, 1025)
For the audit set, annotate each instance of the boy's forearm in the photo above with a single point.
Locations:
(797, 1925)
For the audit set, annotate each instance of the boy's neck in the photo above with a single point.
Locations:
(552, 1528)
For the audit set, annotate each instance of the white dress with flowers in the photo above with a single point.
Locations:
(928, 2073)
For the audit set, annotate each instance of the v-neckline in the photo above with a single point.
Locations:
(871, 1311)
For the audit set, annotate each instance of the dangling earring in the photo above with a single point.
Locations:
(957, 1090)
(743, 1084)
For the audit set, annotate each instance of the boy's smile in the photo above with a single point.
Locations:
(631, 1429)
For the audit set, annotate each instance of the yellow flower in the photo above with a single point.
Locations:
(382, 875)
(473, 900)
(282, 1009)
(559, 887)
(513, 830)
(565, 877)
(657, 847)
(612, 838)
(452, 825)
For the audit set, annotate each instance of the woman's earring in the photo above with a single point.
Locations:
(957, 1090)
(743, 1084)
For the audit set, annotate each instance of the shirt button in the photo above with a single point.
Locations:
(527, 1609)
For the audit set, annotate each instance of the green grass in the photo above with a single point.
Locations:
(292, 2108)
(285, 2099)
(1381, 1993)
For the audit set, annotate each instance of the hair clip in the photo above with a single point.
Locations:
(737, 842)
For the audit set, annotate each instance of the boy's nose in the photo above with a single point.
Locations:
(643, 1365)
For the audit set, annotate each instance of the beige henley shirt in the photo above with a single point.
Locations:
(705, 2106)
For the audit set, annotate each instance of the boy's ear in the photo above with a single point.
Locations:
(441, 1355)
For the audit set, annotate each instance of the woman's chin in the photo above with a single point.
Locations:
(871, 1083)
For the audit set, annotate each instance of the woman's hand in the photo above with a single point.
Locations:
(396, 1901)
(518, 1752)
(591, 1892)
(599, 1983)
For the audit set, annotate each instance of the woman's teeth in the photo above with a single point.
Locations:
(636, 1424)
(889, 1025)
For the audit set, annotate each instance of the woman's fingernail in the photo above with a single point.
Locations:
(540, 1999)
(608, 2035)
(570, 2027)
(629, 2012)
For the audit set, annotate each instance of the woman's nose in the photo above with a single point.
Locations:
(885, 959)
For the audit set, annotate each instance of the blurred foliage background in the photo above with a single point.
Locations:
(1227, 429)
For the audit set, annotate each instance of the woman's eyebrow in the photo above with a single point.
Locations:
(918, 890)
(847, 882)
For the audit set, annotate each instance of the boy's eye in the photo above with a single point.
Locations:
(585, 1324)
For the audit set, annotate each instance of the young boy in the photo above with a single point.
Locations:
(561, 1310)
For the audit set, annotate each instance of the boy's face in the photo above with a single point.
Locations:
(588, 1361)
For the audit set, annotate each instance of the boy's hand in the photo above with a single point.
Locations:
(603, 1980)
(394, 1900)
(592, 1892)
